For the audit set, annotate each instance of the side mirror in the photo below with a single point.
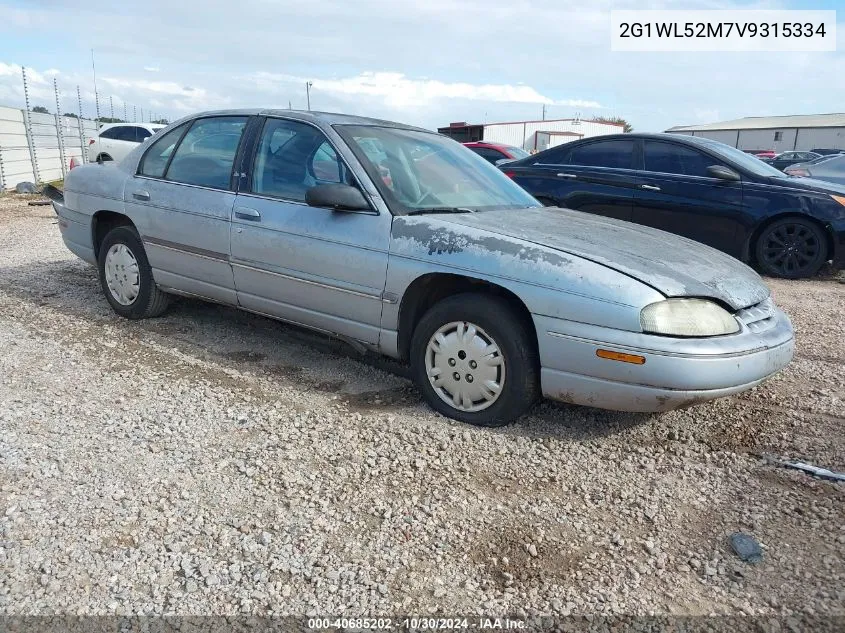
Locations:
(723, 173)
(338, 197)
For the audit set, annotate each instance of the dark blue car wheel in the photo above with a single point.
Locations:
(791, 248)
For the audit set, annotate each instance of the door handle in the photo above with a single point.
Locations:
(245, 213)
(141, 195)
(566, 176)
(650, 187)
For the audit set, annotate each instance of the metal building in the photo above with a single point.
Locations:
(802, 132)
(530, 135)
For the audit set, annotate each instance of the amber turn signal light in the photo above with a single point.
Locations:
(620, 356)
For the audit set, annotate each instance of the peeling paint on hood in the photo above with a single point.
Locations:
(674, 265)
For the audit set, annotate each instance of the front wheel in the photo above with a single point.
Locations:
(475, 360)
(791, 248)
(126, 276)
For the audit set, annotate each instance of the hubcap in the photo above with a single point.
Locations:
(122, 277)
(791, 248)
(465, 366)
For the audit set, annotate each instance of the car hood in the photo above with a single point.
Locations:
(674, 265)
(809, 184)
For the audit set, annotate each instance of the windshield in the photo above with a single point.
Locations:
(416, 170)
(739, 158)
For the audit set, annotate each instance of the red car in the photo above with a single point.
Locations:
(494, 152)
(769, 153)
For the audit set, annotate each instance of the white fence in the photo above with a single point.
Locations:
(37, 147)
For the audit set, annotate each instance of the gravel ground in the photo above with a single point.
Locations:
(211, 461)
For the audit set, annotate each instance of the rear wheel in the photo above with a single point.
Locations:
(475, 360)
(126, 276)
(791, 248)
(103, 158)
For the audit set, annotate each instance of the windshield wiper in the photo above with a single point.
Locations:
(440, 210)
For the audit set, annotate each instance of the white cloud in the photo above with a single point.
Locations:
(399, 91)
(424, 63)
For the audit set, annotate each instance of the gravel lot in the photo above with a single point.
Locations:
(211, 461)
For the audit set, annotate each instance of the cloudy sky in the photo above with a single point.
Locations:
(426, 62)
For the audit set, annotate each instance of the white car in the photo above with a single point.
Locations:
(116, 140)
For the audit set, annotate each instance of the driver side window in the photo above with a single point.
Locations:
(292, 157)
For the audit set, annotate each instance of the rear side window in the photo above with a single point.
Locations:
(124, 133)
(155, 160)
(669, 158)
(142, 134)
(111, 133)
(619, 154)
(557, 156)
(206, 154)
(489, 154)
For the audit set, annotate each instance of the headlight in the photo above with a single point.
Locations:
(687, 317)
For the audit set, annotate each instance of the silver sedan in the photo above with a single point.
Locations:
(403, 242)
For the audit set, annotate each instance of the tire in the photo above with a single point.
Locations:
(791, 248)
(494, 321)
(103, 158)
(546, 202)
(128, 281)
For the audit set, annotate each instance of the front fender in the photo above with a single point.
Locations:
(548, 282)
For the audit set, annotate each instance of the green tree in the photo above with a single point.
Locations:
(41, 110)
(70, 115)
(627, 127)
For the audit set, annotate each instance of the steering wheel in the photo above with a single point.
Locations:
(405, 186)
(423, 195)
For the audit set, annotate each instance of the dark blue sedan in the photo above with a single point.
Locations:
(698, 188)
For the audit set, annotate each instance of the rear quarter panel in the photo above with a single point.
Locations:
(88, 189)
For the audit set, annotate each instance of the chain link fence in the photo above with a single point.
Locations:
(38, 147)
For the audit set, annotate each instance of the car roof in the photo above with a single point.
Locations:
(488, 144)
(150, 126)
(311, 116)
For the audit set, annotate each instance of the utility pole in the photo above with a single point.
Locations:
(544, 111)
(308, 85)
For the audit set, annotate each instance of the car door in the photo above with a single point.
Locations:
(123, 141)
(181, 200)
(313, 266)
(108, 143)
(595, 177)
(677, 194)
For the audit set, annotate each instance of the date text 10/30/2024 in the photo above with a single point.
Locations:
(417, 624)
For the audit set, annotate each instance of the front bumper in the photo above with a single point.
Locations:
(837, 236)
(677, 372)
